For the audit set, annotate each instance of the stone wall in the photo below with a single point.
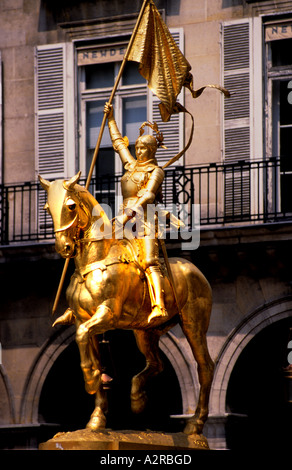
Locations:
(24, 24)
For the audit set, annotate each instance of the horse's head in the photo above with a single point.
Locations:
(68, 211)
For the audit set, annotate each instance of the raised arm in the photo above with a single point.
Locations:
(118, 142)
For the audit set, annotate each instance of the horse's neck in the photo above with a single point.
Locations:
(93, 245)
(91, 251)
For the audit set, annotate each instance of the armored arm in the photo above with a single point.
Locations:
(119, 144)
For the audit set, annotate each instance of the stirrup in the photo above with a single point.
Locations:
(157, 312)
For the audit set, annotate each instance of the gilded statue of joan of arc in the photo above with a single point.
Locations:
(141, 185)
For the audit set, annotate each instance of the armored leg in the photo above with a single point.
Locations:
(156, 290)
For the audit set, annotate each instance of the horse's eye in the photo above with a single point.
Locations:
(70, 203)
(72, 207)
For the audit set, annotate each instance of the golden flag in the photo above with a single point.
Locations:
(162, 63)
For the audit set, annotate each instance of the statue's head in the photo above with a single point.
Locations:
(146, 145)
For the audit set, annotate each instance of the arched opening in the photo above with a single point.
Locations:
(64, 401)
(7, 409)
(256, 393)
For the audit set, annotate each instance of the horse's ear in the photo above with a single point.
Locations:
(44, 183)
(71, 183)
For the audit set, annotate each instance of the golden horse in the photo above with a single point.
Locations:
(108, 290)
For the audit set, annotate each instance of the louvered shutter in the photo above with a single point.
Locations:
(50, 120)
(237, 141)
(50, 110)
(173, 132)
(2, 201)
(1, 123)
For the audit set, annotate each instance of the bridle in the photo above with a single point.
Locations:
(82, 206)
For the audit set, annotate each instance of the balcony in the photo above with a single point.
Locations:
(257, 192)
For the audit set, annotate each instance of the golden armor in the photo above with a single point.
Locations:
(141, 185)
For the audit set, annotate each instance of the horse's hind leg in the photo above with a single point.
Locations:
(194, 324)
(147, 342)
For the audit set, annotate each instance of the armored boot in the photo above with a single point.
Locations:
(156, 290)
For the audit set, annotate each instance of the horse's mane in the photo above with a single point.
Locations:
(102, 227)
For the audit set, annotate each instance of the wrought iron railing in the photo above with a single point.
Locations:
(244, 192)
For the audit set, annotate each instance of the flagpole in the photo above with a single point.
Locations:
(58, 294)
(94, 158)
(97, 147)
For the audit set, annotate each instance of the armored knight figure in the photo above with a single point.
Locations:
(141, 185)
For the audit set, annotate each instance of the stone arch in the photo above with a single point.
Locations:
(39, 370)
(237, 341)
(179, 354)
(176, 350)
(7, 413)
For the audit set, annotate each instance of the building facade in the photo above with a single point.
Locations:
(59, 62)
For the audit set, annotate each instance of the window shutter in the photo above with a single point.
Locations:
(237, 139)
(2, 201)
(1, 124)
(50, 110)
(173, 131)
(50, 120)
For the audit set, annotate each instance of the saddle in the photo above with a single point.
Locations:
(132, 252)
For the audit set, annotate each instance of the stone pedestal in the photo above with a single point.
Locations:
(86, 439)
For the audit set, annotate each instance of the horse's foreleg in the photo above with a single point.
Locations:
(147, 342)
(98, 323)
(90, 362)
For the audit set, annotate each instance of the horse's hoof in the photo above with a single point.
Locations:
(138, 402)
(66, 319)
(193, 427)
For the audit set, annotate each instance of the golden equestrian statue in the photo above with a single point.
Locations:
(108, 290)
(119, 281)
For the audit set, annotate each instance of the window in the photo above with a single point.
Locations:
(54, 110)
(2, 209)
(237, 142)
(54, 118)
(98, 67)
(279, 112)
(130, 110)
(1, 119)
(242, 117)
(68, 118)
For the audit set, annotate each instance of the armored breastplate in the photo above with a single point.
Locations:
(135, 178)
(132, 183)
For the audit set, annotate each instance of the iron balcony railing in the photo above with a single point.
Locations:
(244, 192)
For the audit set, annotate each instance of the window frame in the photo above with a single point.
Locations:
(99, 94)
(251, 124)
(274, 74)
